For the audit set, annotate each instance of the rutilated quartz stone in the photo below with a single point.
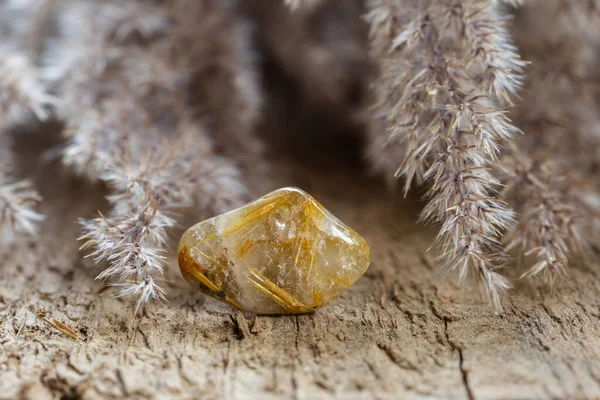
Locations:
(281, 254)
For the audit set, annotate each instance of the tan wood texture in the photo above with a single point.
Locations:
(403, 331)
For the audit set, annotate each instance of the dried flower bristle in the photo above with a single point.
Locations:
(551, 171)
(448, 70)
(22, 98)
(121, 75)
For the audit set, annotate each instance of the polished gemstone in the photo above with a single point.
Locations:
(281, 254)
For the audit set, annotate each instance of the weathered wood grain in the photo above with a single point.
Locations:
(401, 332)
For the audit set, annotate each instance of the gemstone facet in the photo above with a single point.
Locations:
(281, 254)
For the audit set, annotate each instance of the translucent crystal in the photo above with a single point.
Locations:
(281, 254)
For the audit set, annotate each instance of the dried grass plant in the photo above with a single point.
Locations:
(491, 105)
(125, 72)
(449, 94)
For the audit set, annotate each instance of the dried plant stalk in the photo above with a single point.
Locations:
(126, 82)
(161, 97)
(551, 171)
(18, 199)
(549, 218)
(447, 70)
(22, 98)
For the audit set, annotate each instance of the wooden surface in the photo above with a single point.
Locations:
(401, 332)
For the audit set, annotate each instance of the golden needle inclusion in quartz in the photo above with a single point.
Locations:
(281, 254)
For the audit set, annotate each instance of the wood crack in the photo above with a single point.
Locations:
(226, 363)
(396, 359)
(463, 372)
(144, 338)
(294, 370)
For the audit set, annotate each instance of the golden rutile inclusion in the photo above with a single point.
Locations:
(281, 254)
